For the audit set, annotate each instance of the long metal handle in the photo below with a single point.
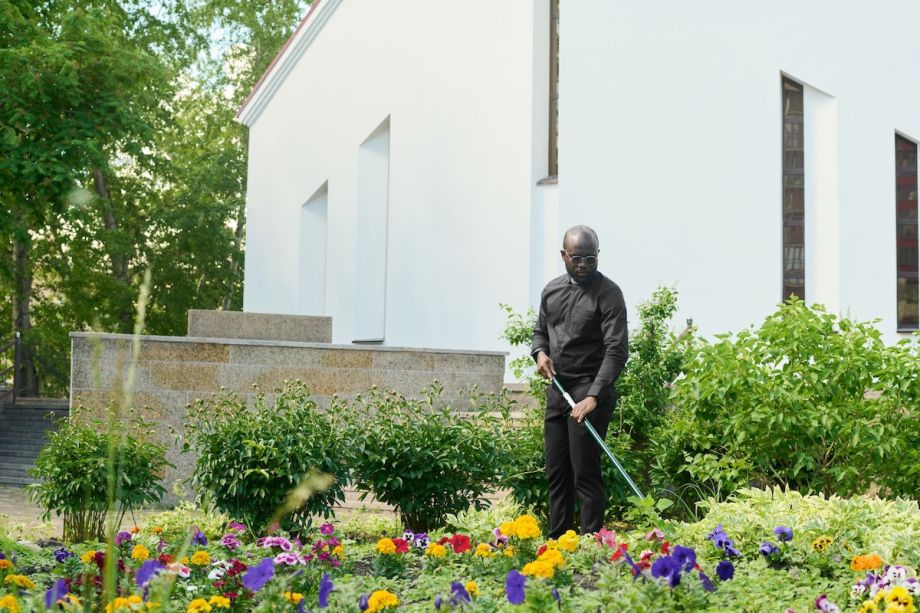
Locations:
(599, 440)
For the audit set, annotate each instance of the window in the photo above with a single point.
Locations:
(553, 166)
(905, 164)
(793, 190)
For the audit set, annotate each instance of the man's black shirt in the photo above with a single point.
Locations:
(583, 329)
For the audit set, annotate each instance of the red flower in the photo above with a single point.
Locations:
(460, 543)
(236, 568)
(165, 559)
(402, 545)
(666, 548)
(619, 552)
(231, 595)
(541, 550)
(444, 539)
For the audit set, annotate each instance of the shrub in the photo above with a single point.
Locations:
(423, 457)
(249, 461)
(808, 401)
(74, 470)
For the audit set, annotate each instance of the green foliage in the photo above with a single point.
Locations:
(808, 401)
(74, 470)
(424, 457)
(250, 462)
(176, 523)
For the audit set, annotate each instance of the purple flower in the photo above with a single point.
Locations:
(62, 554)
(768, 549)
(289, 558)
(325, 588)
(459, 595)
(408, 535)
(514, 587)
(363, 602)
(685, 556)
(707, 582)
(236, 527)
(198, 538)
(275, 541)
(122, 537)
(500, 539)
(725, 570)
(230, 541)
(147, 571)
(421, 540)
(556, 595)
(258, 575)
(326, 529)
(161, 546)
(667, 567)
(57, 591)
(783, 533)
(721, 541)
(635, 567)
(823, 604)
(437, 602)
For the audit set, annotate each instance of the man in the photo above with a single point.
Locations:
(581, 338)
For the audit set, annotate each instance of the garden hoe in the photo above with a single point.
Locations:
(598, 439)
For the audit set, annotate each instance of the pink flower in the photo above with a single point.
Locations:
(289, 558)
(275, 541)
(327, 529)
(655, 535)
(607, 538)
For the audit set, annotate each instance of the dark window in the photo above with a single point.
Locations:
(793, 190)
(905, 164)
(553, 167)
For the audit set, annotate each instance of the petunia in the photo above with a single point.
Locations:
(707, 582)
(363, 601)
(655, 535)
(236, 527)
(515, 587)
(258, 575)
(438, 601)
(325, 588)
(326, 529)
(725, 570)
(556, 595)
(62, 554)
(458, 594)
(667, 567)
(198, 537)
(768, 549)
(147, 571)
(783, 533)
(122, 537)
(685, 556)
(58, 590)
(635, 568)
(230, 541)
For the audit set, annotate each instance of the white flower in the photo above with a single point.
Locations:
(857, 591)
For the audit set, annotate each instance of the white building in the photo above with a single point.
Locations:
(400, 178)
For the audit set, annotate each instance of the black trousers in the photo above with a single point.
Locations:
(573, 459)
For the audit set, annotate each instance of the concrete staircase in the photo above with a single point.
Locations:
(23, 432)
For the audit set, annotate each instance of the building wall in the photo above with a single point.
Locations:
(457, 86)
(670, 145)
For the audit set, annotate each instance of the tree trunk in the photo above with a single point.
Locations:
(118, 258)
(236, 255)
(26, 375)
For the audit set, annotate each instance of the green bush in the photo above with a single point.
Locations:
(74, 469)
(808, 401)
(254, 464)
(422, 456)
(656, 355)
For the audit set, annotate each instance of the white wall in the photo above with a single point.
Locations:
(671, 146)
(457, 83)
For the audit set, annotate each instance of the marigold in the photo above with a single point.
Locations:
(380, 600)
(509, 551)
(869, 562)
(9, 603)
(293, 597)
(140, 553)
(5, 564)
(540, 568)
(386, 546)
(472, 588)
(157, 529)
(552, 556)
(569, 541)
(124, 604)
(526, 527)
(822, 542)
(338, 551)
(199, 605)
(89, 557)
(19, 581)
(184, 560)
(219, 602)
(436, 551)
(201, 558)
(483, 550)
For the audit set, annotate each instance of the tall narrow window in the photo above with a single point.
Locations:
(905, 164)
(793, 190)
(553, 169)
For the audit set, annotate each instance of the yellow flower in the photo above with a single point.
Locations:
(70, 603)
(199, 605)
(219, 602)
(899, 596)
(880, 596)
(293, 597)
(131, 603)
(868, 607)
(88, 557)
(509, 551)
(569, 541)
(9, 603)
(380, 600)
(526, 527)
(506, 528)
(821, 543)
(436, 551)
(20, 581)
(541, 569)
(339, 551)
(472, 588)
(386, 546)
(5, 564)
(483, 551)
(140, 553)
(553, 557)
(184, 560)
(201, 558)
(869, 562)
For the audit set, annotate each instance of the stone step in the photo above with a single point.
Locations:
(51, 404)
(17, 454)
(30, 446)
(14, 470)
(17, 481)
(26, 430)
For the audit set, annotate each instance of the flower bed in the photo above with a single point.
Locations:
(763, 551)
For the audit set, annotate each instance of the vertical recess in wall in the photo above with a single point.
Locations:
(373, 196)
(312, 257)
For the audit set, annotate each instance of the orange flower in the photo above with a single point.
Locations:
(869, 562)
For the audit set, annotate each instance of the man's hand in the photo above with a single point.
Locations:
(545, 366)
(584, 407)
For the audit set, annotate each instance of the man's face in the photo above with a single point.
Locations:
(580, 256)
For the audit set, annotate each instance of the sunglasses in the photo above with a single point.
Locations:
(590, 260)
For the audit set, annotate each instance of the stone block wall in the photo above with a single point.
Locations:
(171, 372)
